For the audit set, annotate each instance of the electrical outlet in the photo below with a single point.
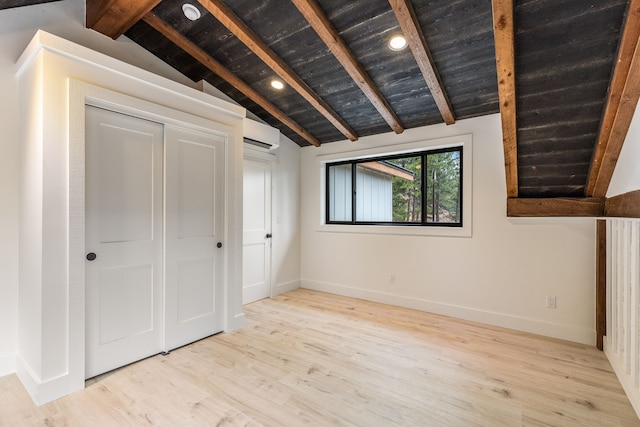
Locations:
(551, 301)
(392, 278)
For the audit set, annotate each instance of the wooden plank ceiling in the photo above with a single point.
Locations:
(550, 72)
(361, 30)
(564, 62)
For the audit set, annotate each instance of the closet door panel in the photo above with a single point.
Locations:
(196, 188)
(124, 240)
(196, 296)
(194, 226)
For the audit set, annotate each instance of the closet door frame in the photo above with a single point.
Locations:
(82, 94)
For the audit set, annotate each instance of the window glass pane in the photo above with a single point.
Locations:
(389, 190)
(443, 188)
(340, 194)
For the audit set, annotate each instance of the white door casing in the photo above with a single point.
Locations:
(144, 203)
(256, 271)
(194, 209)
(124, 159)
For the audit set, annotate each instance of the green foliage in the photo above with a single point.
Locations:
(443, 187)
(407, 195)
(442, 201)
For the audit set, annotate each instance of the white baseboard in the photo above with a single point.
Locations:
(238, 321)
(45, 391)
(553, 330)
(281, 288)
(7, 364)
(625, 379)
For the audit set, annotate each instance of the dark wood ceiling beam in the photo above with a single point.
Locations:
(217, 68)
(327, 32)
(114, 17)
(503, 34)
(621, 103)
(268, 56)
(625, 205)
(560, 206)
(413, 32)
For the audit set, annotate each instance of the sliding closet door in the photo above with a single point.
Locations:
(124, 236)
(194, 227)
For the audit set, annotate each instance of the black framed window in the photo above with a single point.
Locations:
(423, 188)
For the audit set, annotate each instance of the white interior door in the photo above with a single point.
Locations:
(256, 262)
(124, 161)
(194, 232)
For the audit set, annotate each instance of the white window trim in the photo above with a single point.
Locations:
(465, 141)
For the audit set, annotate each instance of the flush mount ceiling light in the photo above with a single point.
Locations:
(277, 84)
(397, 42)
(190, 11)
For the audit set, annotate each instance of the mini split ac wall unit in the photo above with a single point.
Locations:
(261, 135)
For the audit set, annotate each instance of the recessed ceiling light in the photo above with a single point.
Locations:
(190, 11)
(397, 42)
(277, 84)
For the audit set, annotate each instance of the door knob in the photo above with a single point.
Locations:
(269, 235)
(219, 245)
(91, 256)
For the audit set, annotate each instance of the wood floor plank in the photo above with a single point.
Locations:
(309, 358)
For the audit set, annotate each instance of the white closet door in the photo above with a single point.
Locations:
(194, 227)
(256, 245)
(124, 232)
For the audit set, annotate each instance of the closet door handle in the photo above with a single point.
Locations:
(269, 235)
(91, 256)
(219, 245)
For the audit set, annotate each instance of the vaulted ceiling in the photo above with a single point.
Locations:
(564, 74)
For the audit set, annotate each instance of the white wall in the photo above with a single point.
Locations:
(501, 275)
(17, 27)
(9, 180)
(286, 220)
(626, 176)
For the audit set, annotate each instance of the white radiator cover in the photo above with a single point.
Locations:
(622, 342)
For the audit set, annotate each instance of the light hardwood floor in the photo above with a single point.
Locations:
(312, 359)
